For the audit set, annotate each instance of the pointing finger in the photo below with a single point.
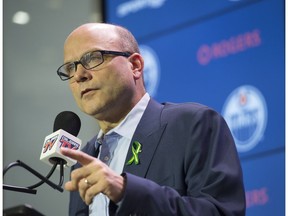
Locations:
(80, 156)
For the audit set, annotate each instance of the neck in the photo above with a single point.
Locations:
(113, 118)
(107, 126)
(116, 116)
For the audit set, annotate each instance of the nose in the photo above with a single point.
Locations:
(82, 74)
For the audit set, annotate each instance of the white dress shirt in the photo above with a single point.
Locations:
(119, 142)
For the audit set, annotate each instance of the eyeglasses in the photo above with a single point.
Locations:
(89, 61)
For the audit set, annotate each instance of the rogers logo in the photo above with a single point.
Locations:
(257, 197)
(235, 44)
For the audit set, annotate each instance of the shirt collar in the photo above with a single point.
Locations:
(128, 125)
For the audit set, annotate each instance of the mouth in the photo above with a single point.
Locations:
(86, 91)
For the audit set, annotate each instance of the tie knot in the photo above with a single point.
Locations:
(100, 140)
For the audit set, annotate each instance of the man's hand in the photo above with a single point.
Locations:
(93, 177)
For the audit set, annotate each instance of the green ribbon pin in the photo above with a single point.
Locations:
(136, 149)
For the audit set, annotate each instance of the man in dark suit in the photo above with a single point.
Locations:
(154, 159)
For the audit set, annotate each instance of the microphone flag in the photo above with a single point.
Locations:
(51, 148)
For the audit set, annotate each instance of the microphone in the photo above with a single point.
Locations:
(66, 127)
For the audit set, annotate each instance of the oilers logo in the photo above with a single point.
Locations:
(151, 69)
(245, 112)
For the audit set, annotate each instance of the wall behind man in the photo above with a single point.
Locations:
(227, 54)
(33, 93)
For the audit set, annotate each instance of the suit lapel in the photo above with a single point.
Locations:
(148, 133)
(90, 148)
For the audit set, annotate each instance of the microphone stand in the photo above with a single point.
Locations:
(31, 189)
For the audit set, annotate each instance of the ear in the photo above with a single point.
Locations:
(137, 65)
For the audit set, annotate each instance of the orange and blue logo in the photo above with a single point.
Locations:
(49, 144)
(245, 112)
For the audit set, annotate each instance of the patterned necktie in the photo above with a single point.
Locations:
(108, 144)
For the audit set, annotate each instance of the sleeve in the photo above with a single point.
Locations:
(213, 177)
(76, 205)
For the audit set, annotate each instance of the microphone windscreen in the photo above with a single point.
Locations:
(68, 121)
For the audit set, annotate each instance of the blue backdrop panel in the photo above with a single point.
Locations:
(264, 177)
(144, 17)
(257, 59)
(228, 55)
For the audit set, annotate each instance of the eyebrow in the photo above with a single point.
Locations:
(92, 50)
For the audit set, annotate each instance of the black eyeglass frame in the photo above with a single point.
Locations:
(64, 77)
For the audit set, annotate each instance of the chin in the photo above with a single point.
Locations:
(94, 112)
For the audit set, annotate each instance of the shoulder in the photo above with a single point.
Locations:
(170, 107)
(188, 109)
(187, 106)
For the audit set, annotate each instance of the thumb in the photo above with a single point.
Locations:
(69, 186)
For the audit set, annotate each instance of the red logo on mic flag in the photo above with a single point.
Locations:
(69, 143)
(49, 143)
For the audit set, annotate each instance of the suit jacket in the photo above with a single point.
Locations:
(188, 166)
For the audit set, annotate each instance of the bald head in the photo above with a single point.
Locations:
(113, 34)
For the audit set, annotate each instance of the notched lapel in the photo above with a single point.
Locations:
(149, 145)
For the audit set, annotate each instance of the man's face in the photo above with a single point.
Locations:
(104, 91)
